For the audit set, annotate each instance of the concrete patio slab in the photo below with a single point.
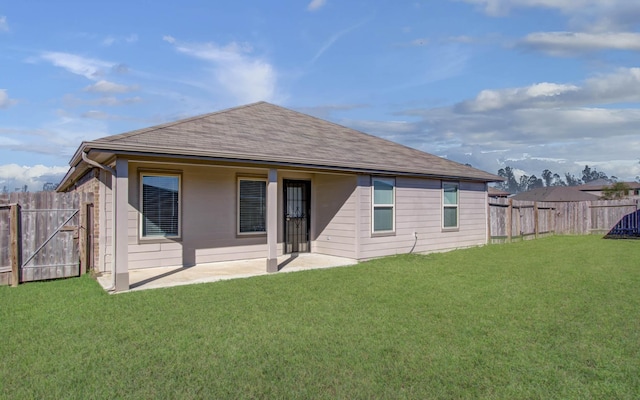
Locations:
(152, 278)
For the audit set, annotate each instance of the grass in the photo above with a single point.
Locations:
(556, 318)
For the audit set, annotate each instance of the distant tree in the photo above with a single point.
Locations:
(557, 180)
(617, 191)
(534, 182)
(510, 184)
(523, 184)
(571, 179)
(552, 179)
(547, 177)
(590, 175)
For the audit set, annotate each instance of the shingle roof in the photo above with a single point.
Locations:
(495, 192)
(599, 186)
(268, 133)
(555, 193)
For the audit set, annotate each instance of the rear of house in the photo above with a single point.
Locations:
(260, 181)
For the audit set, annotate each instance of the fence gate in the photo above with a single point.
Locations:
(49, 244)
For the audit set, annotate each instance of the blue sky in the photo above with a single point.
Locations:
(533, 84)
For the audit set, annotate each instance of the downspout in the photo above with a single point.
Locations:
(113, 173)
(89, 161)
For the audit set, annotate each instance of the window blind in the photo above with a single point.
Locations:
(252, 206)
(160, 205)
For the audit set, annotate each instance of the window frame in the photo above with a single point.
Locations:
(455, 206)
(141, 235)
(250, 178)
(387, 180)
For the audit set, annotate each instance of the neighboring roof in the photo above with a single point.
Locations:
(495, 192)
(597, 182)
(555, 193)
(597, 186)
(269, 134)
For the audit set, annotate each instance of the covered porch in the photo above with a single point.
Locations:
(161, 277)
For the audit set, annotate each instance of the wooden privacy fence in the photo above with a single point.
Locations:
(519, 220)
(43, 236)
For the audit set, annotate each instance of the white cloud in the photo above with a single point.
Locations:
(4, 25)
(67, 132)
(94, 114)
(316, 5)
(8, 142)
(419, 42)
(589, 15)
(111, 101)
(110, 40)
(491, 100)
(462, 39)
(335, 38)
(621, 86)
(5, 101)
(90, 68)
(246, 77)
(536, 127)
(502, 7)
(14, 176)
(56, 139)
(568, 43)
(104, 86)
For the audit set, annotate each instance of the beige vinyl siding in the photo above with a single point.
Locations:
(340, 217)
(208, 217)
(419, 210)
(335, 215)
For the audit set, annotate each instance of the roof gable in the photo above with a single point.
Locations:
(269, 133)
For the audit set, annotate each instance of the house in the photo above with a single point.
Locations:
(260, 180)
(496, 193)
(597, 187)
(555, 194)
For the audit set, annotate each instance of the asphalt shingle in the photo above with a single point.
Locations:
(270, 133)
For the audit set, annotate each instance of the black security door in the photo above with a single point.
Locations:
(296, 216)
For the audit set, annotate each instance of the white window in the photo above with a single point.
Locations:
(383, 205)
(160, 205)
(252, 205)
(450, 205)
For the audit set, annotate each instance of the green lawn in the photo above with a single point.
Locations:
(553, 318)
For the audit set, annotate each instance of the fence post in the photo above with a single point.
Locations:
(488, 221)
(535, 219)
(15, 230)
(509, 218)
(82, 238)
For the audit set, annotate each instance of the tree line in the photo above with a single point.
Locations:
(549, 178)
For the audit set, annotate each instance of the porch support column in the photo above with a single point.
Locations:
(272, 221)
(120, 239)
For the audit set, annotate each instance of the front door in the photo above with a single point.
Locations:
(296, 216)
